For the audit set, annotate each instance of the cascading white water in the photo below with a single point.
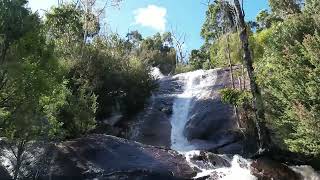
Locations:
(307, 172)
(181, 108)
(156, 73)
(197, 84)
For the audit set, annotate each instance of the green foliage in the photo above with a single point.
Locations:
(34, 89)
(104, 76)
(283, 8)
(158, 51)
(288, 72)
(199, 59)
(64, 27)
(285, 49)
(266, 19)
(183, 68)
(219, 19)
(15, 21)
(55, 85)
(235, 97)
(78, 115)
(218, 51)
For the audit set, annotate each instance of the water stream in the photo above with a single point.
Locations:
(196, 84)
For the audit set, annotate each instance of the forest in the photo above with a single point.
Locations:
(62, 76)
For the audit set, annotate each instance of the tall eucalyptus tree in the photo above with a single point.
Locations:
(264, 138)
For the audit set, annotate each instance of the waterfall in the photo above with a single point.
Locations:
(181, 108)
(156, 73)
(197, 84)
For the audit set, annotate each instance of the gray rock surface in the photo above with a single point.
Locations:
(104, 157)
(152, 125)
(4, 174)
(265, 168)
(207, 160)
(209, 117)
(211, 123)
(108, 157)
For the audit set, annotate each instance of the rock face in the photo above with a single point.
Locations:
(207, 160)
(4, 174)
(209, 117)
(108, 157)
(152, 125)
(210, 125)
(111, 158)
(266, 169)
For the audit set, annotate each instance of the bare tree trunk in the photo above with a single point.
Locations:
(243, 77)
(240, 83)
(230, 63)
(263, 135)
(19, 159)
(236, 113)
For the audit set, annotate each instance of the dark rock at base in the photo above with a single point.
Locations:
(233, 148)
(167, 110)
(210, 118)
(152, 126)
(108, 157)
(266, 169)
(213, 176)
(209, 160)
(4, 174)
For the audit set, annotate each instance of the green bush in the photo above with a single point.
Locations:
(288, 73)
(235, 97)
(183, 68)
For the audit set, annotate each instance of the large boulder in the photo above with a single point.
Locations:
(152, 126)
(266, 169)
(110, 157)
(209, 116)
(211, 120)
(104, 157)
(4, 174)
(207, 160)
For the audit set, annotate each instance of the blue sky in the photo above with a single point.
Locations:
(151, 16)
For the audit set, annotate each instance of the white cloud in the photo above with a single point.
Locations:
(152, 16)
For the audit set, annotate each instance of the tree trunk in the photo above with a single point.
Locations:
(232, 79)
(230, 63)
(263, 135)
(19, 159)
(243, 77)
(240, 83)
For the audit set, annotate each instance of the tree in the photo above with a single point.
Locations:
(135, 38)
(197, 59)
(64, 27)
(15, 21)
(158, 51)
(283, 8)
(264, 20)
(92, 10)
(287, 73)
(34, 90)
(179, 40)
(264, 138)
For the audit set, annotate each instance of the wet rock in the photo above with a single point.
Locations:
(108, 157)
(209, 117)
(233, 148)
(4, 174)
(266, 169)
(207, 160)
(213, 176)
(167, 110)
(152, 126)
